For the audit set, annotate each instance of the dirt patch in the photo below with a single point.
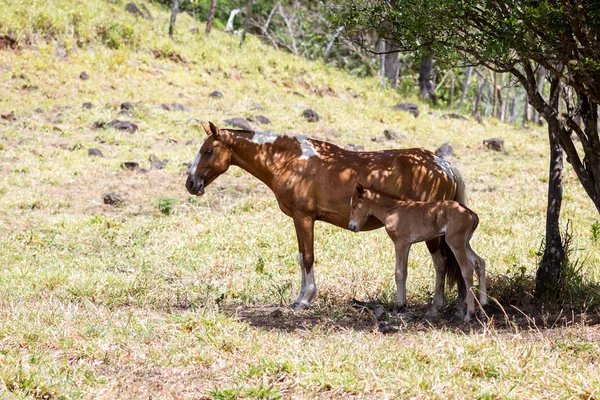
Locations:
(169, 55)
(151, 382)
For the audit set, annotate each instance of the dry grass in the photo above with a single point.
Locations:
(99, 301)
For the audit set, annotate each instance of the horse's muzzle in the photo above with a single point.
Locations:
(194, 187)
(353, 226)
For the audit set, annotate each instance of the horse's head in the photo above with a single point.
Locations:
(359, 213)
(213, 159)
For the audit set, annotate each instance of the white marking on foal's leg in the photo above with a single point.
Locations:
(308, 291)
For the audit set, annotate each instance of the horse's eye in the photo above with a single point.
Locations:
(208, 151)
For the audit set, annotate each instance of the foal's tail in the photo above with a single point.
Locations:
(453, 273)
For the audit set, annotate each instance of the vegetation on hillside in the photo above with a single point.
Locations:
(166, 295)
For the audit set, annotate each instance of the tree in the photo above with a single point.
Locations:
(426, 78)
(174, 11)
(211, 16)
(390, 65)
(515, 36)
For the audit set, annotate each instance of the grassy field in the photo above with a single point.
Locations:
(168, 296)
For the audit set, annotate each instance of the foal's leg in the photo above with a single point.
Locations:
(305, 232)
(439, 263)
(466, 268)
(402, 249)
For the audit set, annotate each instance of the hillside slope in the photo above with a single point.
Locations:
(170, 296)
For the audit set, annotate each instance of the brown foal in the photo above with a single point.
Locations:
(408, 222)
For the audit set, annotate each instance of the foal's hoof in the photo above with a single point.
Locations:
(482, 316)
(405, 316)
(385, 328)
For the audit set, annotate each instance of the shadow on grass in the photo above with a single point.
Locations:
(512, 308)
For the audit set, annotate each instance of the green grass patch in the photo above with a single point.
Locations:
(173, 295)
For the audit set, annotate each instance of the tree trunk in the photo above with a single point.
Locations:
(495, 94)
(526, 111)
(478, 95)
(337, 33)
(232, 14)
(550, 268)
(247, 15)
(211, 16)
(391, 65)
(465, 89)
(381, 49)
(174, 11)
(426, 84)
(540, 77)
(451, 90)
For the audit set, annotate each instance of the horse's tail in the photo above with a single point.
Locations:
(453, 273)
(461, 186)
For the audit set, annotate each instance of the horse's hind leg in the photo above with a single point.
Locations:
(479, 264)
(439, 263)
(466, 268)
(305, 233)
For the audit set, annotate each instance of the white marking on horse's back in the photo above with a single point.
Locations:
(445, 166)
(262, 137)
(195, 164)
(308, 149)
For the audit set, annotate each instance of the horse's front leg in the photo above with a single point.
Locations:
(305, 232)
(402, 250)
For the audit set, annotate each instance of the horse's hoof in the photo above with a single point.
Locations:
(429, 316)
(298, 306)
(456, 318)
(379, 313)
(400, 309)
(482, 316)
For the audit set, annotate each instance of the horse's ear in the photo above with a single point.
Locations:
(211, 129)
(360, 190)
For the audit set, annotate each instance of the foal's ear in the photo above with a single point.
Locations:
(360, 190)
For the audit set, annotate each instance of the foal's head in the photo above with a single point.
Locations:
(212, 160)
(359, 209)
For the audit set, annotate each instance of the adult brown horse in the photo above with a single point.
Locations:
(314, 181)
